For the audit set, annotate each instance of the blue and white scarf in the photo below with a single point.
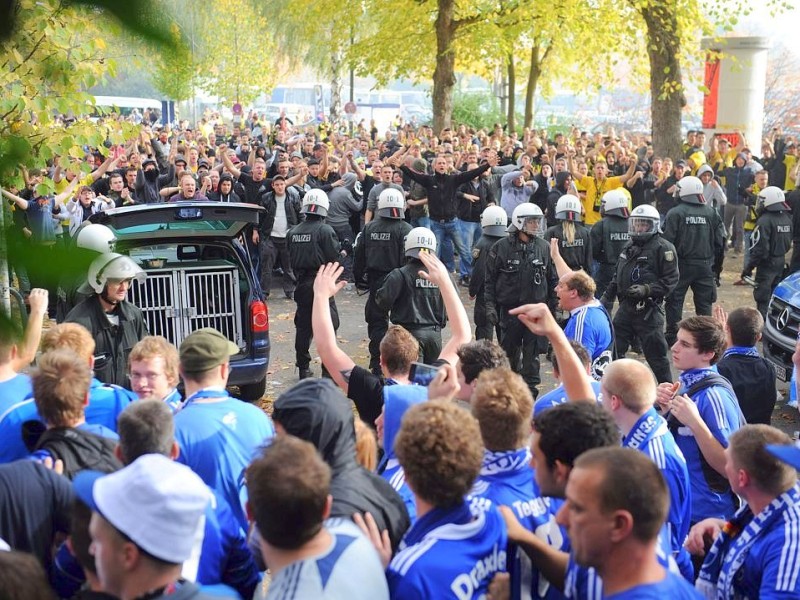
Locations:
(505, 461)
(650, 425)
(730, 549)
(742, 351)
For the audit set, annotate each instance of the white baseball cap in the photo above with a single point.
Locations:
(157, 503)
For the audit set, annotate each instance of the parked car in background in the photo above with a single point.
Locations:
(782, 325)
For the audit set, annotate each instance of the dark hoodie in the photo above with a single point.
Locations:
(315, 410)
(737, 179)
(343, 202)
(552, 198)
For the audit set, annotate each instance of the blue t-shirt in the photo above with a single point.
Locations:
(41, 221)
(672, 587)
(559, 396)
(720, 411)
(507, 479)
(450, 553)
(218, 440)
(591, 326)
(16, 407)
(651, 436)
(106, 402)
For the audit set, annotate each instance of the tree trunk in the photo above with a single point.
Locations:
(511, 121)
(444, 78)
(336, 86)
(666, 84)
(533, 81)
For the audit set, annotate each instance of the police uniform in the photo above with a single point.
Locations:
(651, 262)
(519, 273)
(312, 243)
(698, 234)
(769, 244)
(609, 237)
(477, 286)
(577, 253)
(416, 304)
(379, 251)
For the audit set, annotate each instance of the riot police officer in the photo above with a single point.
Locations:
(519, 271)
(769, 244)
(311, 244)
(493, 225)
(414, 302)
(647, 272)
(609, 236)
(698, 234)
(379, 250)
(574, 241)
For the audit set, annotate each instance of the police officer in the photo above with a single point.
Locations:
(379, 250)
(769, 244)
(311, 243)
(647, 271)
(574, 241)
(519, 271)
(493, 225)
(415, 303)
(698, 234)
(609, 236)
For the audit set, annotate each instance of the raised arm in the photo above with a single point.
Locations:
(336, 361)
(21, 202)
(562, 268)
(68, 191)
(629, 173)
(226, 160)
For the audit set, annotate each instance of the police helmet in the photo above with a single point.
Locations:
(528, 218)
(643, 222)
(315, 202)
(391, 204)
(616, 203)
(568, 208)
(773, 199)
(93, 236)
(419, 238)
(112, 266)
(690, 189)
(494, 220)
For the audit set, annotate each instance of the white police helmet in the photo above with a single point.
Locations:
(529, 218)
(644, 221)
(616, 203)
(419, 238)
(112, 266)
(690, 189)
(391, 204)
(773, 199)
(315, 202)
(494, 220)
(93, 236)
(568, 208)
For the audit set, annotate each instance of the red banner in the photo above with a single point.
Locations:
(711, 98)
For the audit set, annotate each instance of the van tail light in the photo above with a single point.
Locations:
(259, 317)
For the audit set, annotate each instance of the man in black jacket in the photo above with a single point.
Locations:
(472, 197)
(282, 206)
(442, 201)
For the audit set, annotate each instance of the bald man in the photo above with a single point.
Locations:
(628, 391)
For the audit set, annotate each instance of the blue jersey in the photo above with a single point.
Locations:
(450, 553)
(651, 436)
(507, 479)
(16, 407)
(720, 411)
(591, 326)
(583, 583)
(174, 400)
(218, 440)
(106, 402)
(672, 587)
(559, 396)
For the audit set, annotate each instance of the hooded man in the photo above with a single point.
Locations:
(562, 187)
(344, 203)
(149, 181)
(712, 190)
(737, 179)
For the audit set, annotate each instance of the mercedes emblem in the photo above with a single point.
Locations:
(783, 319)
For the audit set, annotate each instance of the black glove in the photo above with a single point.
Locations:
(491, 316)
(346, 247)
(639, 291)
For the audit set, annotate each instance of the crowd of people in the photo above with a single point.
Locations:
(129, 472)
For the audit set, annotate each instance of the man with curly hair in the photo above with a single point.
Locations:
(454, 549)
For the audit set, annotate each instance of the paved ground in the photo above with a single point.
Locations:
(352, 336)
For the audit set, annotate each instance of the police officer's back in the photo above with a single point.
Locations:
(574, 241)
(610, 235)
(311, 244)
(493, 225)
(413, 301)
(698, 234)
(771, 240)
(647, 271)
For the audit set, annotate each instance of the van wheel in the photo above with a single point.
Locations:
(252, 392)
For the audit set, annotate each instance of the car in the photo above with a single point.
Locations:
(781, 325)
(199, 275)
